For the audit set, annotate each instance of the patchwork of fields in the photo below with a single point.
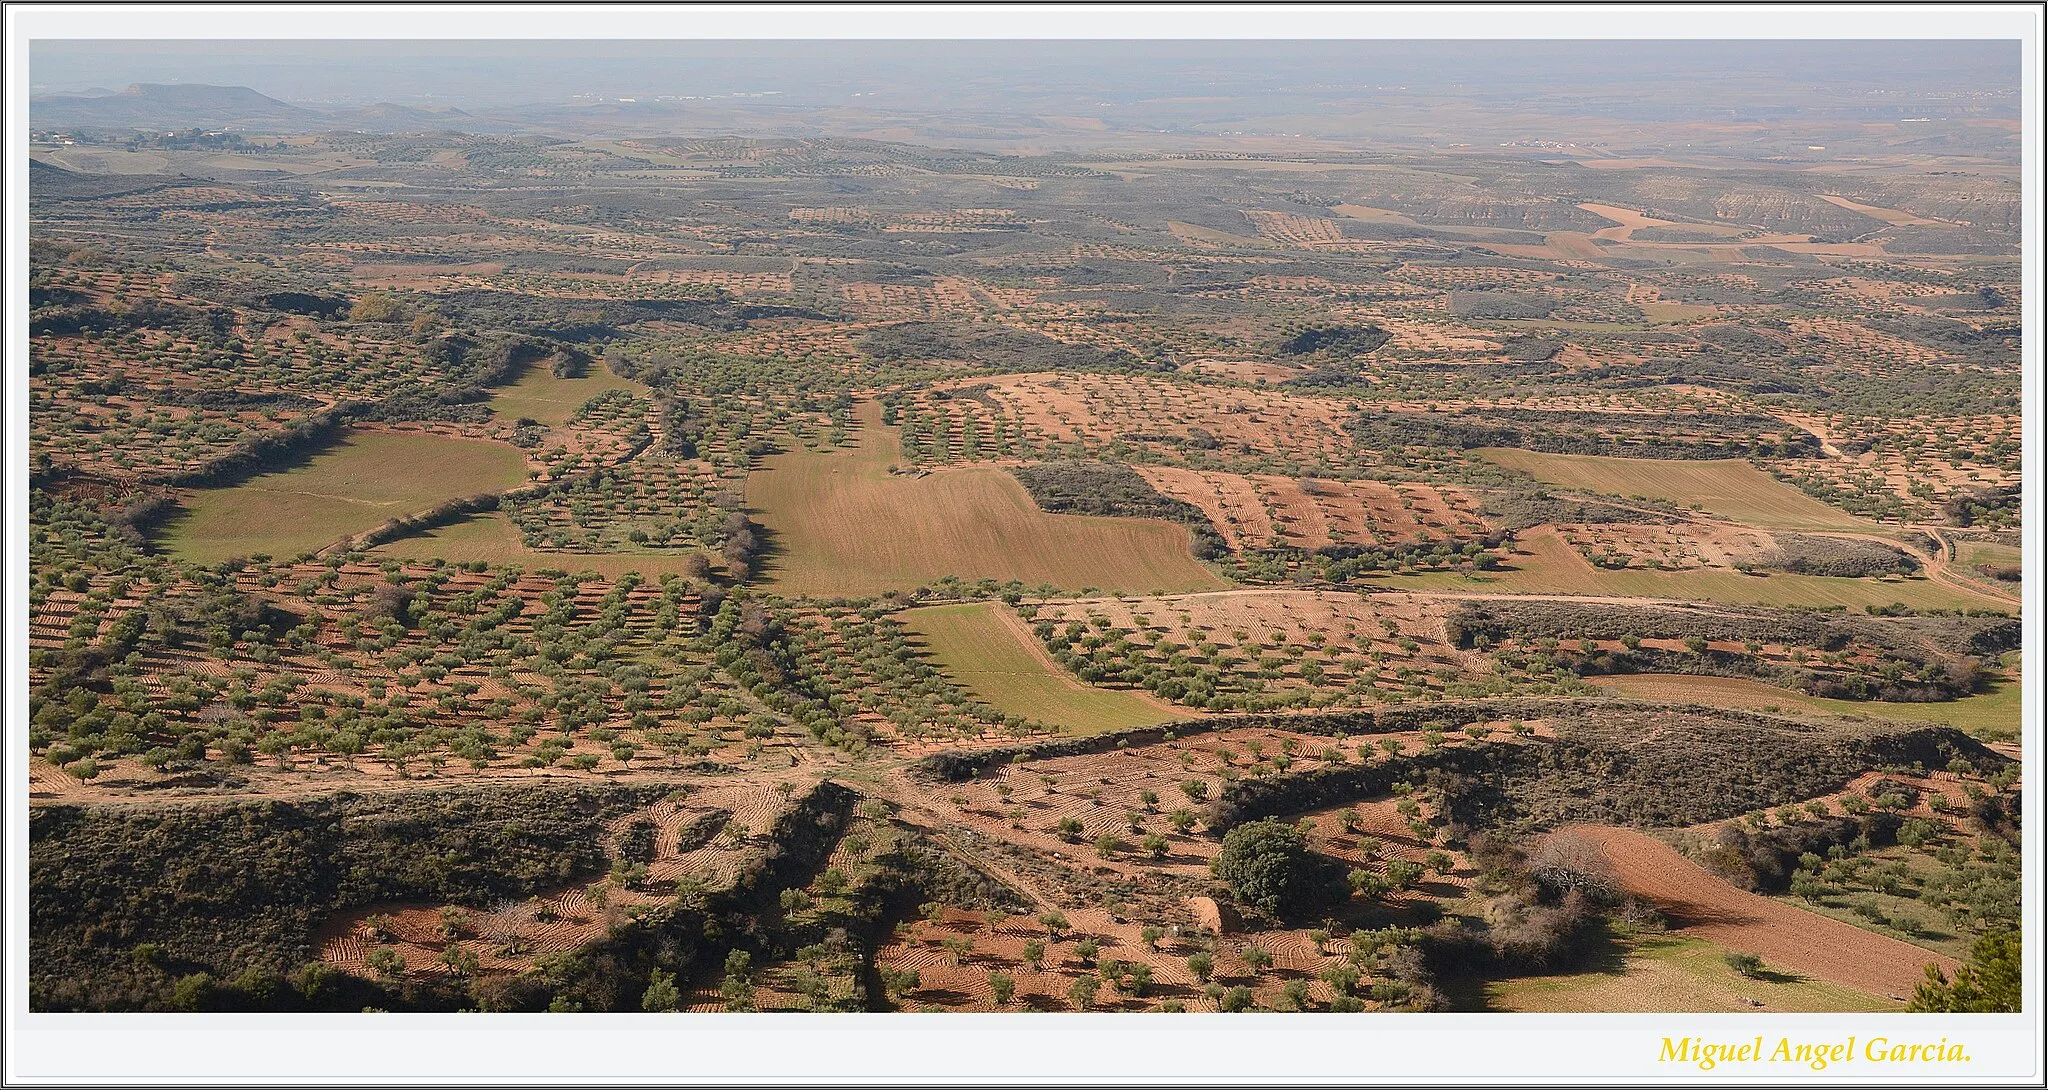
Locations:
(1561, 575)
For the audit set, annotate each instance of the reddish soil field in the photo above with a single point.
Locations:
(1788, 939)
(1264, 509)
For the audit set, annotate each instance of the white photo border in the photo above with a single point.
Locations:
(920, 1049)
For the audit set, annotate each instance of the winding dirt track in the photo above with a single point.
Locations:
(1789, 939)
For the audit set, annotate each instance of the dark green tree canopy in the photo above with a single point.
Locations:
(1989, 983)
(1268, 865)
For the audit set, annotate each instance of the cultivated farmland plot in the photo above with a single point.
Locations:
(1122, 563)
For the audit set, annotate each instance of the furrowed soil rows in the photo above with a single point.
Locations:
(1787, 938)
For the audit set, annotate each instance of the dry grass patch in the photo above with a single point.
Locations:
(841, 523)
(493, 539)
(987, 649)
(541, 397)
(1542, 563)
(1993, 714)
(1671, 973)
(366, 479)
(1730, 488)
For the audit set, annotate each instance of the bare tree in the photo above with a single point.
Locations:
(1567, 861)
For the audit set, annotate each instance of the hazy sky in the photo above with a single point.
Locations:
(494, 73)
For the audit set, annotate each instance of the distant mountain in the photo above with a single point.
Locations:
(169, 106)
(388, 116)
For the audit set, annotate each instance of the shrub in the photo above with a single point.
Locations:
(1748, 965)
(1918, 831)
(376, 307)
(387, 962)
(1342, 979)
(662, 995)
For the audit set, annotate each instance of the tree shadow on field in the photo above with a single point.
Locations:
(769, 548)
(1606, 954)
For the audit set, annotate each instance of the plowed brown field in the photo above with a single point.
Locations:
(1788, 939)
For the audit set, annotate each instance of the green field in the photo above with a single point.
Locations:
(1969, 554)
(1984, 552)
(492, 538)
(839, 523)
(1544, 564)
(363, 480)
(541, 397)
(1733, 489)
(1671, 973)
(1992, 715)
(986, 650)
